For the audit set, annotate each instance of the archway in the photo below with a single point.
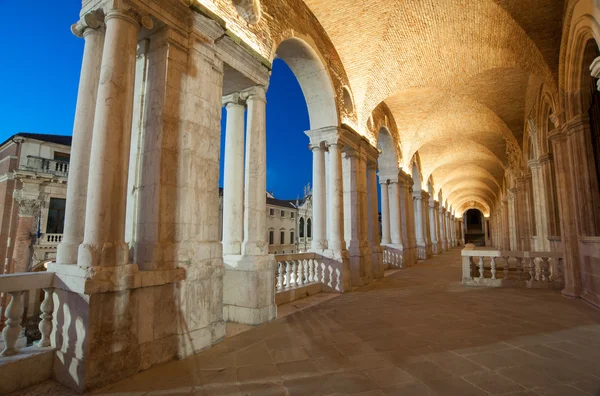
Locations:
(474, 227)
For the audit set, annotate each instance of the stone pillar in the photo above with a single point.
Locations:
(354, 212)
(319, 231)
(363, 202)
(462, 233)
(249, 294)
(90, 27)
(396, 218)
(374, 236)
(233, 176)
(567, 200)
(420, 225)
(104, 241)
(542, 244)
(486, 226)
(29, 212)
(432, 226)
(442, 226)
(385, 213)
(447, 229)
(409, 252)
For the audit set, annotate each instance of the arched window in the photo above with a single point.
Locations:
(308, 228)
(301, 227)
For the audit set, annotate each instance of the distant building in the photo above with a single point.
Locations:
(289, 223)
(33, 186)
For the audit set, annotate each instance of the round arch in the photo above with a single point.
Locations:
(314, 79)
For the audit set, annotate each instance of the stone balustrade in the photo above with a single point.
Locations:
(303, 274)
(52, 239)
(16, 359)
(392, 258)
(46, 165)
(488, 267)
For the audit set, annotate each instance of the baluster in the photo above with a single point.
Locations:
(544, 270)
(12, 331)
(338, 281)
(279, 276)
(293, 274)
(531, 269)
(480, 267)
(506, 267)
(299, 280)
(330, 282)
(306, 265)
(45, 325)
(493, 267)
(519, 272)
(322, 272)
(288, 274)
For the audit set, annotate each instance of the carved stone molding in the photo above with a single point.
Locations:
(28, 207)
(90, 21)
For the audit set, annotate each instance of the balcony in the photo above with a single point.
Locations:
(46, 165)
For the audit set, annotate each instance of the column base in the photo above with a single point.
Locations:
(109, 254)
(571, 292)
(249, 289)
(360, 266)
(67, 253)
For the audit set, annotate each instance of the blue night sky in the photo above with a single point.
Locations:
(40, 75)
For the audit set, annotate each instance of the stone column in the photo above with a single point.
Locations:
(409, 252)
(374, 236)
(385, 213)
(442, 222)
(233, 176)
(249, 294)
(29, 212)
(336, 208)
(540, 205)
(512, 226)
(419, 225)
(104, 241)
(486, 226)
(432, 226)
(567, 201)
(255, 205)
(319, 231)
(363, 201)
(396, 218)
(91, 29)
(462, 233)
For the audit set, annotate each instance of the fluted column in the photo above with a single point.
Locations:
(233, 176)
(91, 29)
(374, 236)
(319, 231)
(385, 213)
(255, 204)
(104, 241)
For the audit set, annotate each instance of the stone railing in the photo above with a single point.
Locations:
(46, 165)
(485, 267)
(392, 258)
(52, 239)
(300, 275)
(17, 360)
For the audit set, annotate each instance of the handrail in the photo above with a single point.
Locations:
(25, 281)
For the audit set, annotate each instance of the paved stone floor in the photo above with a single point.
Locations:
(416, 332)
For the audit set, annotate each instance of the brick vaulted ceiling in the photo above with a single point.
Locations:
(454, 73)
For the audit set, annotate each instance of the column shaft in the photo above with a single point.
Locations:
(233, 178)
(385, 214)
(395, 213)
(255, 203)
(319, 224)
(336, 208)
(83, 126)
(373, 215)
(104, 241)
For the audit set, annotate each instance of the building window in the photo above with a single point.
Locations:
(301, 228)
(308, 228)
(56, 216)
(292, 240)
(283, 252)
(292, 215)
(271, 212)
(271, 237)
(282, 237)
(283, 213)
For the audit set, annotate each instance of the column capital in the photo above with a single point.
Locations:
(326, 136)
(28, 207)
(88, 23)
(233, 99)
(372, 165)
(130, 13)
(257, 92)
(595, 70)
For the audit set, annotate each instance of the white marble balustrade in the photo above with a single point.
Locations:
(303, 274)
(484, 267)
(392, 258)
